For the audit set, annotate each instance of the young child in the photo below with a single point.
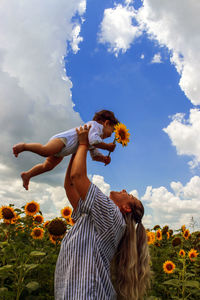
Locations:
(65, 143)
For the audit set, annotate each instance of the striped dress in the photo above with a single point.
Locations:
(83, 265)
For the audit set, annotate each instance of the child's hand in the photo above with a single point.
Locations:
(111, 147)
(107, 160)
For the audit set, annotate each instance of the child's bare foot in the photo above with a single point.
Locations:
(25, 179)
(18, 148)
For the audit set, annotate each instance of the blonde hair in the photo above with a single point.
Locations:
(130, 267)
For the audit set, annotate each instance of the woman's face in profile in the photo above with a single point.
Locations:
(123, 200)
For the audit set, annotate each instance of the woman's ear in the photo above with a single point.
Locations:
(126, 209)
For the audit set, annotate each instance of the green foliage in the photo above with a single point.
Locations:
(184, 281)
(27, 264)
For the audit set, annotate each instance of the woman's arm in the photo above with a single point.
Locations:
(70, 189)
(79, 166)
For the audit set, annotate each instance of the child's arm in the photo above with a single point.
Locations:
(104, 159)
(98, 156)
(106, 146)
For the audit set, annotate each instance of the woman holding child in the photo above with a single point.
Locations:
(108, 232)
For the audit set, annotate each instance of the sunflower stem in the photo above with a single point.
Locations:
(114, 142)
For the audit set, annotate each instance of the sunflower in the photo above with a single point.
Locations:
(55, 239)
(168, 267)
(37, 233)
(38, 219)
(186, 234)
(159, 235)
(7, 213)
(183, 228)
(165, 229)
(14, 220)
(66, 212)
(150, 237)
(168, 235)
(176, 242)
(57, 227)
(121, 134)
(69, 221)
(193, 254)
(46, 224)
(182, 253)
(156, 227)
(32, 208)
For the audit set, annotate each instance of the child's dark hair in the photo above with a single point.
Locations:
(104, 115)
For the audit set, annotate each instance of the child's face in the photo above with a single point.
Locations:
(107, 129)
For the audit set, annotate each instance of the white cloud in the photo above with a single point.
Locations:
(156, 59)
(134, 193)
(117, 29)
(35, 92)
(102, 185)
(142, 56)
(176, 25)
(185, 135)
(76, 38)
(51, 199)
(174, 208)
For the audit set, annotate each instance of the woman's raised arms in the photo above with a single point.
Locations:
(78, 173)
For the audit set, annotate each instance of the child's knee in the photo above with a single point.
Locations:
(48, 165)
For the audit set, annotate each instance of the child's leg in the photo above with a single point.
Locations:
(50, 163)
(52, 147)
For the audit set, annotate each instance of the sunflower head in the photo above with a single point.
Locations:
(7, 213)
(46, 224)
(66, 212)
(57, 227)
(168, 267)
(186, 234)
(69, 221)
(55, 239)
(32, 208)
(150, 237)
(39, 219)
(183, 228)
(165, 229)
(193, 254)
(37, 233)
(156, 227)
(176, 242)
(182, 253)
(171, 232)
(121, 134)
(159, 235)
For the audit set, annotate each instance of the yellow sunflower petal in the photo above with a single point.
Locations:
(121, 134)
(32, 208)
(168, 267)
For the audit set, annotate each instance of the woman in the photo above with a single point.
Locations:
(105, 231)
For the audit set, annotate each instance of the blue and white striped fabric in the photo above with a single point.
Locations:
(83, 265)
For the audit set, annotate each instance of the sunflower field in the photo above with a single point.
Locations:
(29, 248)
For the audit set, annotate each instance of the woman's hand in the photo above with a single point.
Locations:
(83, 135)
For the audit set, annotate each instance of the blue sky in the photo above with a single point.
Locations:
(62, 62)
(141, 94)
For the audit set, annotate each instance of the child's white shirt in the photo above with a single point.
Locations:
(95, 136)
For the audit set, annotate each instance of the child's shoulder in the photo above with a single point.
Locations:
(94, 123)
